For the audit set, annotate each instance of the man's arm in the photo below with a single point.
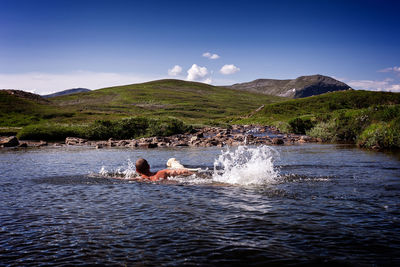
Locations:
(163, 174)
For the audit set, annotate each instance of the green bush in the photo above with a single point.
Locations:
(50, 132)
(324, 130)
(381, 135)
(283, 127)
(134, 127)
(300, 125)
(128, 128)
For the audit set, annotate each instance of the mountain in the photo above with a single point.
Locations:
(67, 92)
(303, 86)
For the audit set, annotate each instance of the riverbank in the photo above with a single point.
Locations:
(204, 137)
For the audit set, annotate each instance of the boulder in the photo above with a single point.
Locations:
(42, 143)
(147, 145)
(122, 143)
(161, 144)
(181, 143)
(101, 144)
(9, 141)
(23, 145)
(277, 141)
(111, 142)
(75, 141)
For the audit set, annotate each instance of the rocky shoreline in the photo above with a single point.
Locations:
(205, 137)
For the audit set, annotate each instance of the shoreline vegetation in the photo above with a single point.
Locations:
(168, 108)
(365, 118)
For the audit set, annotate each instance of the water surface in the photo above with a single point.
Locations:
(327, 204)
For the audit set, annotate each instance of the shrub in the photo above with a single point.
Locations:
(381, 135)
(128, 128)
(50, 132)
(300, 125)
(166, 127)
(284, 127)
(134, 127)
(324, 130)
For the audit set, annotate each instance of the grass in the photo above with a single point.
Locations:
(369, 119)
(16, 111)
(190, 102)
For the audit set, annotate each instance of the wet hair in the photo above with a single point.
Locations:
(142, 166)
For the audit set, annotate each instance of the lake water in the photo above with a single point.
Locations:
(290, 205)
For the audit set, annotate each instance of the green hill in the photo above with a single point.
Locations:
(19, 108)
(370, 119)
(189, 101)
(350, 116)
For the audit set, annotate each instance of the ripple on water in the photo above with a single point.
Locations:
(317, 210)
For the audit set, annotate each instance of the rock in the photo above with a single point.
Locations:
(111, 142)
(147, 145)
(122, 143)
(9, 141)
(181, 143)
(277, 141)
(161, 144)
(101, 144)
(75, 141)
(153, 145)
(132, 144)
(23, 145)
(42, 143)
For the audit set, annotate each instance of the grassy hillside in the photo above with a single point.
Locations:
(18, 111)
(189, 101)
(350, 116)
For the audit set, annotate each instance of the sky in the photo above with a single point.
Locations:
(52, 45)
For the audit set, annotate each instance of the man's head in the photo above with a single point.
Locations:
(142, 166)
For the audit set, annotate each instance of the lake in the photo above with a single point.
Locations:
(310, 204)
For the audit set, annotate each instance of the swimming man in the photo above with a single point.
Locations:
(143, 168)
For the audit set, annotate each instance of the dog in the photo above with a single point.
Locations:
(173, 163)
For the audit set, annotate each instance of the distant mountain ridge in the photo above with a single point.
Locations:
(25, 95)
(67, 92)
(302, 86)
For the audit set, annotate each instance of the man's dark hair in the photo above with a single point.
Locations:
(142, 166)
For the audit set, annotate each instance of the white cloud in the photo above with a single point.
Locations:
(210, 55)
(394, 88)
(46, 83)
(229, 69)
(175, 71)
(385, 85)
(394, 69)
(197, 73)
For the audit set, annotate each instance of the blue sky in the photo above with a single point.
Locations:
(47, 46)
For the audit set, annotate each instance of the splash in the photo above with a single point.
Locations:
(123, 173)
(246, 166)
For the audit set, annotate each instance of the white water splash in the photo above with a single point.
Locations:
(121, 172)
(246, 166)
